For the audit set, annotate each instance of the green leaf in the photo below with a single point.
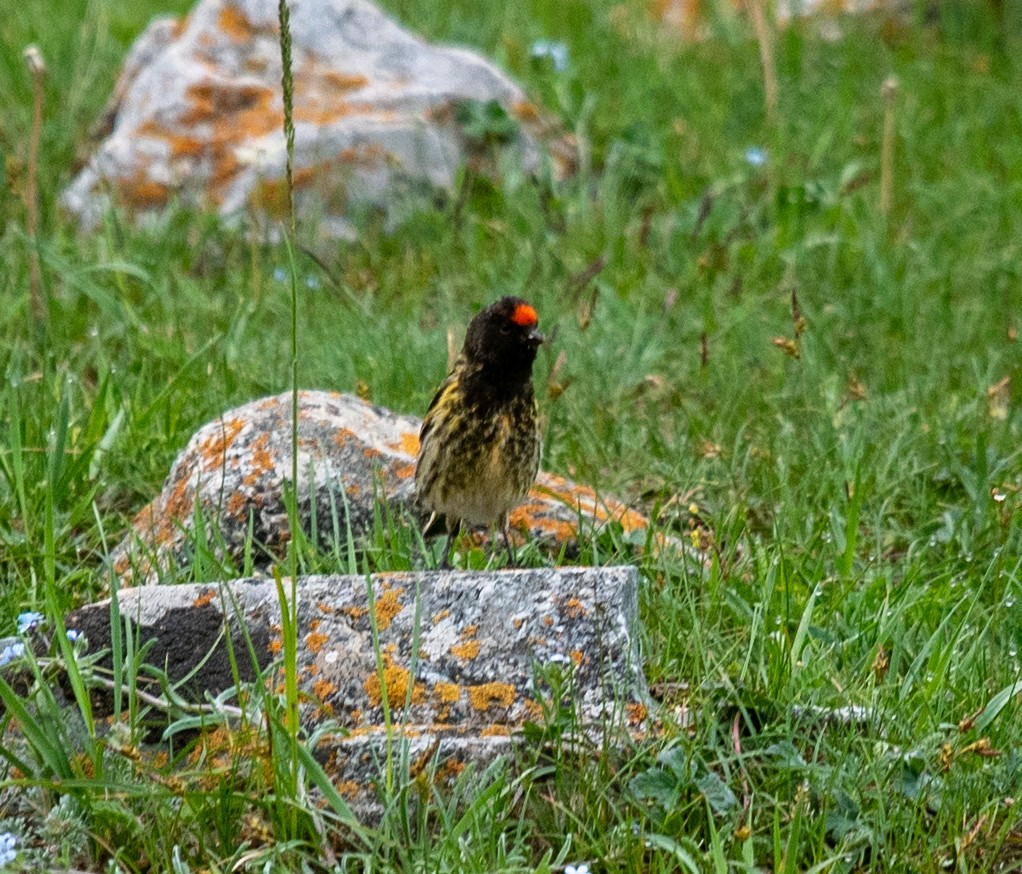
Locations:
(996, 704)
(717, 793)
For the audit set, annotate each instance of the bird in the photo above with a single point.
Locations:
(480, 443)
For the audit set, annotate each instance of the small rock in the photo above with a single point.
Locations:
(352, 455)
(197, 116)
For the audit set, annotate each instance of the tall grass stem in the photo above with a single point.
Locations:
(889, 92)
(764, 37)
(37, 69)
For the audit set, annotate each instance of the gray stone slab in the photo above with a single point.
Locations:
(462, 659)
(474, 641)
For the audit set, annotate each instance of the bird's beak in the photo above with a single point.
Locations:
(535, 337)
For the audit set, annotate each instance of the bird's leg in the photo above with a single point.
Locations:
(453, 528)
(505, 527)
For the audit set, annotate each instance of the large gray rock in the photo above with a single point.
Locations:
(197, 115)
(464, 660)
(352, 456)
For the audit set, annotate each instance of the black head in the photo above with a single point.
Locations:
(504, 337)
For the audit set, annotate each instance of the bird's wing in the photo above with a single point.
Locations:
(427, 420)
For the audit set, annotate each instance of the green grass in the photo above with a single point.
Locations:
(861, 502)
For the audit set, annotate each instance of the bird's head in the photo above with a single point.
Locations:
(504, 335)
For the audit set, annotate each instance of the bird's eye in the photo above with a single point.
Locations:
(505, 328)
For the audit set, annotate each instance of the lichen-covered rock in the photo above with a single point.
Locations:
(352, 457)
(197, 115)
(463, 660)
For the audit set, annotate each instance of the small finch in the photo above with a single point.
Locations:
(480, 446)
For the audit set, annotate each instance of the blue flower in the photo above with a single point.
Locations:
(8, 848)
(73, 634)
(554, 49)
(29, 621)
(755, 156)
(11, 652)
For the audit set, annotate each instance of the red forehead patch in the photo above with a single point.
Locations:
(525, 316)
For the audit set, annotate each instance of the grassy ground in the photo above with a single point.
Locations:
(861, 497)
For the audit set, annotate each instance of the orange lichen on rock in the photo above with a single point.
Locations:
(534, 711)
(236, 504)
(322, 115)
(224, 115)
(314, 641)
(344, 81)
(448, 693)
(469, 648)
(323, 689)
(204, 599)
(533, 515)
(157, 521)
(441, 616)
(574, 608)
(410, 443)
(276, 646)
(344, 436)
(576, 656)
(138, 191)
(388, 605)
(636, 711)
(466, 651)
(349, 788)
(261, 463)
(181, 145)
(486, 695)
(585, 499)
(235, 24)
(396, 681)
(495, 730)
(212, 449)
(355, 613)
(236, 110)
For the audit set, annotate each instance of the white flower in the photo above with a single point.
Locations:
(580, 868)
